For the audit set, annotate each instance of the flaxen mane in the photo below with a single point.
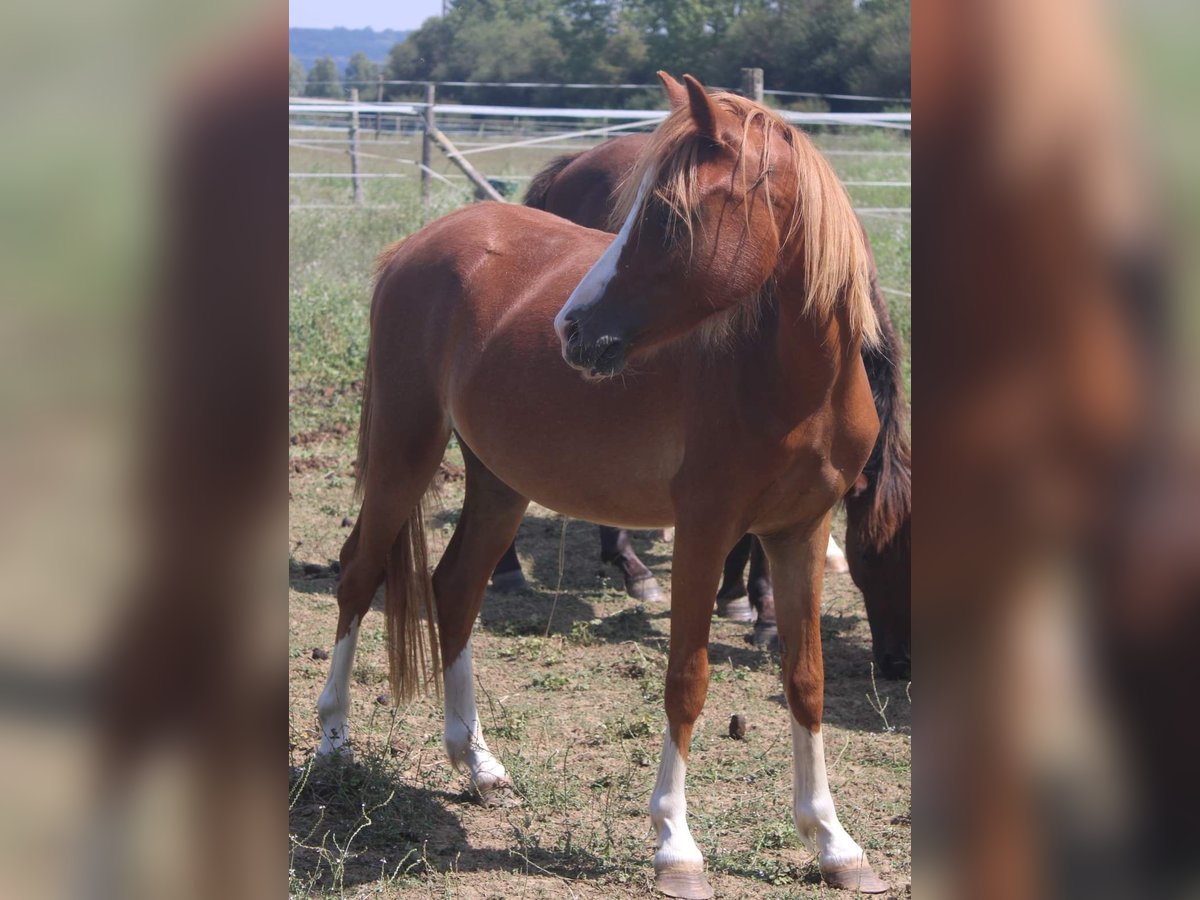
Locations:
(836, 260)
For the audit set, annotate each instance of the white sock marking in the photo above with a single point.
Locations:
(464, 738)
(835, 558)
(812, 803)
(333, 708)
(590, 289)
(668, 812)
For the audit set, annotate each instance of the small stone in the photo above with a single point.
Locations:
(383, 700)
(737, 726)
(318, 653)
(347, 522)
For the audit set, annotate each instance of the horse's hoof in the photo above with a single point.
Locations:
(856, 877)
(688, 883)
(764, 634)
(510, 582)
(647, 590)
(499, 795)
(737, 609)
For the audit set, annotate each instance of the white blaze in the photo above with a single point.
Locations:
(812, 803)
(668, 811)
(599, 275)
(333, 708)
(464, 737)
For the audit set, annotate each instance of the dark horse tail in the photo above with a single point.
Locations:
(888, 472)
(539, 187)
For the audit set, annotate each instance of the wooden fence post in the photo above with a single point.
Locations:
(379, 99)
(483, 188)
(427, 148)
(752, 84)
(358, 191)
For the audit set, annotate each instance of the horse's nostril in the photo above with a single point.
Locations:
(571, 331)
(607, 354)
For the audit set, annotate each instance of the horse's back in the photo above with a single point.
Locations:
(480, 262)
(583, 190)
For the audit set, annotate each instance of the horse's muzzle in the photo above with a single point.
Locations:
(600, 358)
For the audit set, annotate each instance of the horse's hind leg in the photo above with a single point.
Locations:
(835, 557)
(490, 517)
(398, 477)
(732, 602)
(762, 598)
(507, 577)
(640, 583)
(797, 559)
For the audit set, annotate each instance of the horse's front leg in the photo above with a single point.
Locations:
(797, 559)
(695, 572)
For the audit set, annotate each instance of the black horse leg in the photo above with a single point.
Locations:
(762, 598)
(640, 582)
(731, 598)
(507, 577)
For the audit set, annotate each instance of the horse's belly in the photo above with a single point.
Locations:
(601, 451)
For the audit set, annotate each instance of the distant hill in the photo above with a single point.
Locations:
(310, 44)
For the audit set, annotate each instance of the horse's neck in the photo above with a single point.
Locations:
(798, 353)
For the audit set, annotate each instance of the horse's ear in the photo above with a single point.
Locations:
(677, 95)
(704, 111)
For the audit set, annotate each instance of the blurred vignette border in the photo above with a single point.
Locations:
(143, 676)
(1055, 547)
(1055, 551)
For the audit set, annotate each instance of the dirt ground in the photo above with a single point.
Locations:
(570, 682)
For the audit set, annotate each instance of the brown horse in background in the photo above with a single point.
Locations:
(590, 373)
(582, 187)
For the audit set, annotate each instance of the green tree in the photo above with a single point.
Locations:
(295, 76)
(362, 73)
(832, 46)
(323, 79)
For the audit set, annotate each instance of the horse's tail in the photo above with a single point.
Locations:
(412, 646)
(888, 471)
(414, 659)
(539, 187)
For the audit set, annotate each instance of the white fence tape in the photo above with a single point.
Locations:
(887, 120)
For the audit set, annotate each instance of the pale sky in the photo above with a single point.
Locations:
(378, 14)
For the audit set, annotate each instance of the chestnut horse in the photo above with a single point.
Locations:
(582, 187)
(733, 302)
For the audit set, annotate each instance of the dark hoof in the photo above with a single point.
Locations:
(689, 884)
(764, 634)
(500, 795)
(861, 878)
(735, 610)
(646, 590)
(509, 582)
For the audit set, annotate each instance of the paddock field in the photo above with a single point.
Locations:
(571, 674)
